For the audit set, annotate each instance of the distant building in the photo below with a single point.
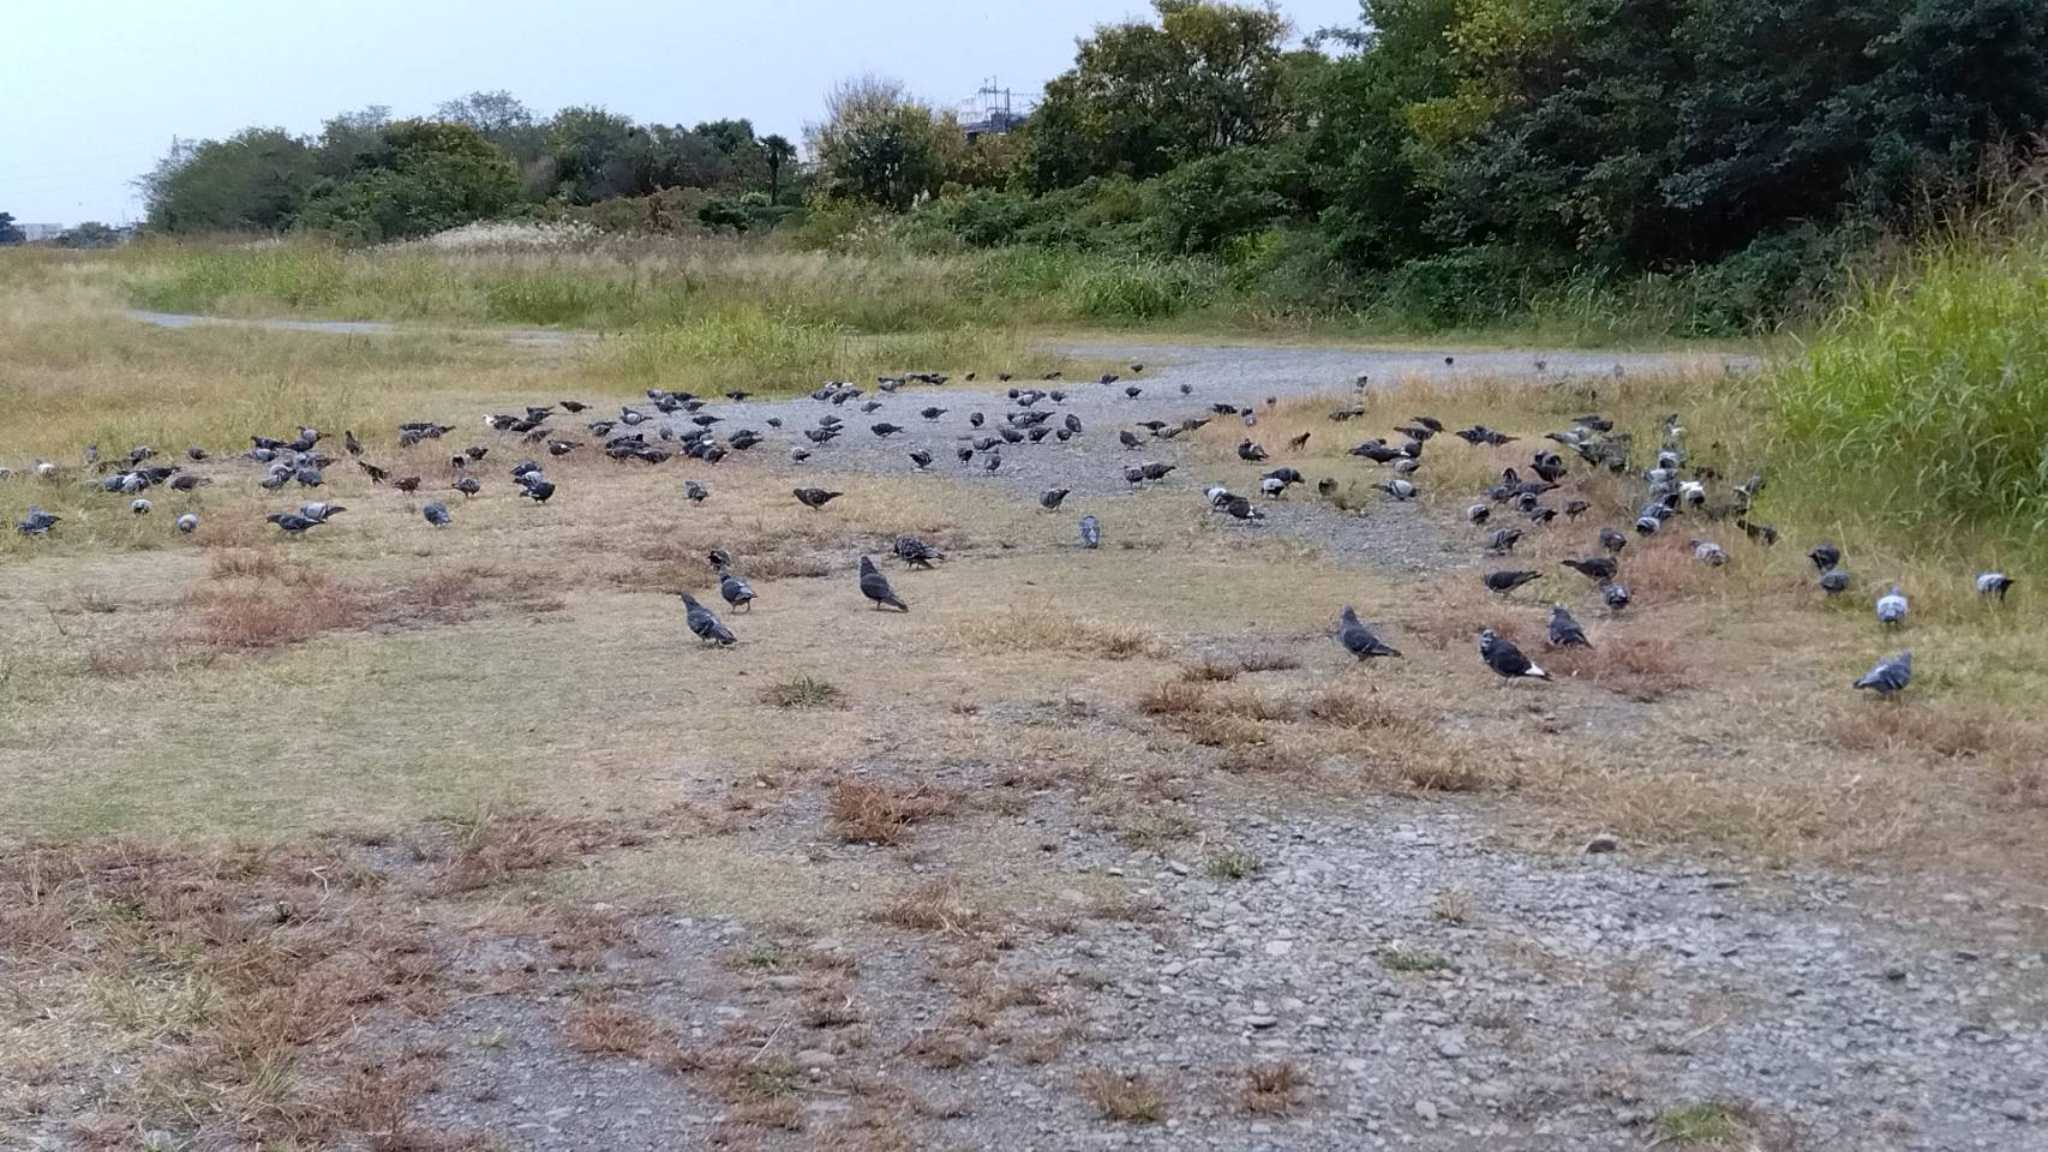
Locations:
(37, 233)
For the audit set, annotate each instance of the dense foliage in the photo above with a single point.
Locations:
(1464, 154)
(367, 178)
(1451, 161)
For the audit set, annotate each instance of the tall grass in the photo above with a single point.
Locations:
(878, 286)
(1923, 404)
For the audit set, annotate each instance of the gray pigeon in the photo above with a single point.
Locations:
(1616, 595)
(1091, 532)
(704, 624)
(1508, 580)
(1709, 553)
(921, 458)
(140, 506)
(1891, 608)
(1991, 584)
(292, 523)
(915, 552)
(1891, 675)
(1834, 581)
(1598, 569)
(1613, 541)
(1503, 540)
(737, 592)
(436, 514)
(1565, 632)
(1358, 639)
(37, 522)
(1504, 658)
(875, 586)
(695, 491)
(814, 498)
(1050, 499)
(188, 523)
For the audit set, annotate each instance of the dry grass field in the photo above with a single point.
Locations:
(275, 807)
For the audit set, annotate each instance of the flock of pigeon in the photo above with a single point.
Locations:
(1673, 489)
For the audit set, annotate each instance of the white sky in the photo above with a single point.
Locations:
(92, 91)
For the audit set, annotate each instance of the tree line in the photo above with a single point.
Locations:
(1461, 148)
(367, 177)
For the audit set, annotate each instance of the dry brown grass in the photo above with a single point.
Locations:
(1127, 1098)
(1644, 669)
(875, 812)
(802, 691)
(939, 906)
(609, 1029)
(1049, 629)
(1272, 1089)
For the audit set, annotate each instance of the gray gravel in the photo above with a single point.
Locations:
(1437, 991)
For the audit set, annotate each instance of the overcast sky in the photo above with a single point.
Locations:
(92, 91)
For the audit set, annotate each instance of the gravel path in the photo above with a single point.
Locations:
(1434, 991)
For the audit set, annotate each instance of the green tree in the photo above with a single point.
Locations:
(1144, 97)
(254, 181)
(346, 139)
(9, 233)
(879, 145)
(502, 119)
(423, 177)
(91, 234)
(776, 152)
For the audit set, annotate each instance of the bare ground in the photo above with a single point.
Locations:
(1090, 849)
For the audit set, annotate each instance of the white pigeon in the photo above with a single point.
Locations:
(1891, 607)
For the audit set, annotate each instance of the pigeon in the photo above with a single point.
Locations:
(1127, 438)
(537, 488)
(1616, 596)
(695, 491)
(318, 512)
(1051, 498)
(292, 523)
(915, 552)
(704, 624)
(1398, 488)
(1709, 553)
(920, 459)
(1132, 391)
(1503, 540)
(1991, 584)
(932, 413)
(140, 506)
(188, 523)
(1565, 632)
(799, 455)
(1091, 532)
(1824, 557)
(1249, 452)
(814, 498)
(436, 514)
(468, 486)
(196, 454)
(1891, 608)
(1613, 541)
(883, 429)
(1479, 513)
(1834, 581)
(737, 592)
(1508, 580)
(992, 461)
(1503, 657)
(1891, 674)
(407, 483)
(1598, 569)
(1359, 640)
(875, 586)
